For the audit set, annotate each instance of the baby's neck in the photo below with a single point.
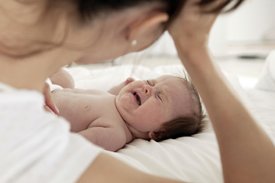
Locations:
(137, 134)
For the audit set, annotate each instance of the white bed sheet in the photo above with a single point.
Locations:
(192, 159)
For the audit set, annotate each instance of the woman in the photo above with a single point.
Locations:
(38, 37)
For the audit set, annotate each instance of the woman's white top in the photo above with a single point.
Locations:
(37, 146)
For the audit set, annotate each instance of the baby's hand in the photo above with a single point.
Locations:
(116, 89)
(49, 104)
(128, 80)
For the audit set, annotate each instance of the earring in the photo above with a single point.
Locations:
(134, 42)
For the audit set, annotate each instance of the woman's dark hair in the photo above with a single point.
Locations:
(87, 8)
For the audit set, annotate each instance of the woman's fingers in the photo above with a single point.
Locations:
(191, 28)
(49, 104)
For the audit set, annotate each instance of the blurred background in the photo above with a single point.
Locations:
(239, 40)
(250, 26)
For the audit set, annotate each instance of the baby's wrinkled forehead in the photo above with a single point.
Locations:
(181, 94)
(168, 77)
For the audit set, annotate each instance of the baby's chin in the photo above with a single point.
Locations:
(124, 106)
(124, 100)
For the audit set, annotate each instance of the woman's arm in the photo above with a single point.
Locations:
(247, 154)
(108, 169)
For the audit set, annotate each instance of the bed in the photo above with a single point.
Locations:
(192, 159)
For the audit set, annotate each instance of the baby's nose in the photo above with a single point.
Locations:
(147, 89)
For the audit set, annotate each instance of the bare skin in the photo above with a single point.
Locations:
(25, 63)
(93, 114)
(247, 153)
(63, 78)
(133, 109)
(247, 156)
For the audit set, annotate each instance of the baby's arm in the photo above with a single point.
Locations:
(63, 78)
(116, 89)
(110, 138)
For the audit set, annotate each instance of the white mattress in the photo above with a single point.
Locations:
(192, 159)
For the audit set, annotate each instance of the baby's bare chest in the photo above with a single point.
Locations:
(87, 110)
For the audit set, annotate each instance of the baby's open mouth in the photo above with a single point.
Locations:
(137, 98)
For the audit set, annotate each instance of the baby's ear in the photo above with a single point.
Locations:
(157, 135)
(152, 135)
(129, 80)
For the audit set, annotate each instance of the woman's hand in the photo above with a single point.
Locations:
(190, 30)
(49, 104)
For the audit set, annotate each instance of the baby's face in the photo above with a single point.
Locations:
(146, 105)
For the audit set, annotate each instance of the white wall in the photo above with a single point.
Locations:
(253, 22)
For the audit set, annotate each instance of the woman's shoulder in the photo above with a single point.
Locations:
(22, 11)
(14, 97)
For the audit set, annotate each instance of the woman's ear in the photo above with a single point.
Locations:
(148, 28)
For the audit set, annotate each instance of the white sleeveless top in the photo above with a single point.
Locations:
(37, 146)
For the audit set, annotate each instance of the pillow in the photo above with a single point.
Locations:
(192, 159)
